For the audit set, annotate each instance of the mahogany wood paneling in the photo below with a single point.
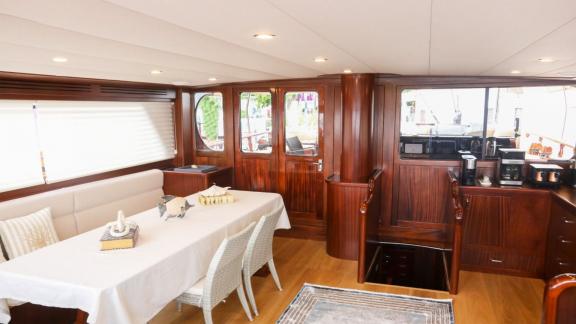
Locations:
(357, 93)
(30, 86)
(505, 230)
(254, 175)
(422, 193)
(300, 182)
(342, 231)
(182, 129)
(560, 300)
(185, 183)
(302, 189)
(561, 249)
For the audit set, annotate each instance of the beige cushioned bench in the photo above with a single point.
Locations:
(84, 207)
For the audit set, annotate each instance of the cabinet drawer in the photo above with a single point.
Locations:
(564, 246)
(566, 226)
(556, 265)
(502, 261)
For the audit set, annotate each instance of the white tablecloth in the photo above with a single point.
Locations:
(133, 285)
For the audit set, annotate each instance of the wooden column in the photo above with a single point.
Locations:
(349, 190)
(357, 93)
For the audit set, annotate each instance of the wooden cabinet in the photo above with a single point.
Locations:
(505, 230)
(182, 184)
(561, 252)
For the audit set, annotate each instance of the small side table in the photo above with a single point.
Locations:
(181, 183)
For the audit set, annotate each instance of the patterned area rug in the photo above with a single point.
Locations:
(327, 305)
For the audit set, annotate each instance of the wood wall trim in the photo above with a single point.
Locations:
(19, 193)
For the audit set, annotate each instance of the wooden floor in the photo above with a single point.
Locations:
(483, 298)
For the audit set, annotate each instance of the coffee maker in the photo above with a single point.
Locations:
(510, 167)
(468, 177)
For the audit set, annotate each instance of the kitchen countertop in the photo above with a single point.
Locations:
(564, 194)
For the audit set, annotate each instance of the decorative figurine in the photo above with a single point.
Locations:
(120, 227)
(172, 206)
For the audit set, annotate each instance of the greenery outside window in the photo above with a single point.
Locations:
(256, 122)
(209, 121)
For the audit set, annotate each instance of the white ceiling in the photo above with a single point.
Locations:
(193, 40)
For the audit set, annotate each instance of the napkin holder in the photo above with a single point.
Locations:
(215, 195)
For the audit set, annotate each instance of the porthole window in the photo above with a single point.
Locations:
(209, 121)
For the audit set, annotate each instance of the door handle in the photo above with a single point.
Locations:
(496, 261)
(319, 164)
(568, 221)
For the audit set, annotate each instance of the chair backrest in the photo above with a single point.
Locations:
(259, 250)
(225, 270)
(294, 144)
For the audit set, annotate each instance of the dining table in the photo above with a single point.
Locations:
(132, 285)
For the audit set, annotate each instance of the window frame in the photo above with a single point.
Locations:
(273, 119)
(285, 92)
(199, 144)
(488, 86)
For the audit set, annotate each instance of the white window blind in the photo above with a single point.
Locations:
(20, 162)
(80, 138)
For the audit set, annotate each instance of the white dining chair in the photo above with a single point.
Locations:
(259, 252)
(223, 277)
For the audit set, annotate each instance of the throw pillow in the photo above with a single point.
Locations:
(25, 234)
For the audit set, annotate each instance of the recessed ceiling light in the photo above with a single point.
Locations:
(212, 79)
(546, 60)
(264, 36)
(59, 59)
(515, 72)
(320, 59)
(156, 72)
(347, 71)
(180, 83)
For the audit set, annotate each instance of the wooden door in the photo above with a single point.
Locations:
(256, 140)
(301, 154)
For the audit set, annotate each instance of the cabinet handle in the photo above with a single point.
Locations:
(562, 240)
(496, 261)
(563, 264)
(568, 221)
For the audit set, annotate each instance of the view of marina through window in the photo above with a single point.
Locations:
(256, 122)
(539, 120)
(301, 111)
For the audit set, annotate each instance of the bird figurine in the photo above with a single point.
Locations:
(172, 206)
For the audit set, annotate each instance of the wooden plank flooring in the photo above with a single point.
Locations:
(483, 298)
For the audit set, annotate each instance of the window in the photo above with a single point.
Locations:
(442, 112)
(541, 119)
(256, 122)
(209, 121)
(20, 162)
(301, 123)
(79, 138)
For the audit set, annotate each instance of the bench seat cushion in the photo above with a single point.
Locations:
(97, 203)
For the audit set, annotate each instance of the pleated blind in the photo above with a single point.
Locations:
(80, 138)
(20, 161)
